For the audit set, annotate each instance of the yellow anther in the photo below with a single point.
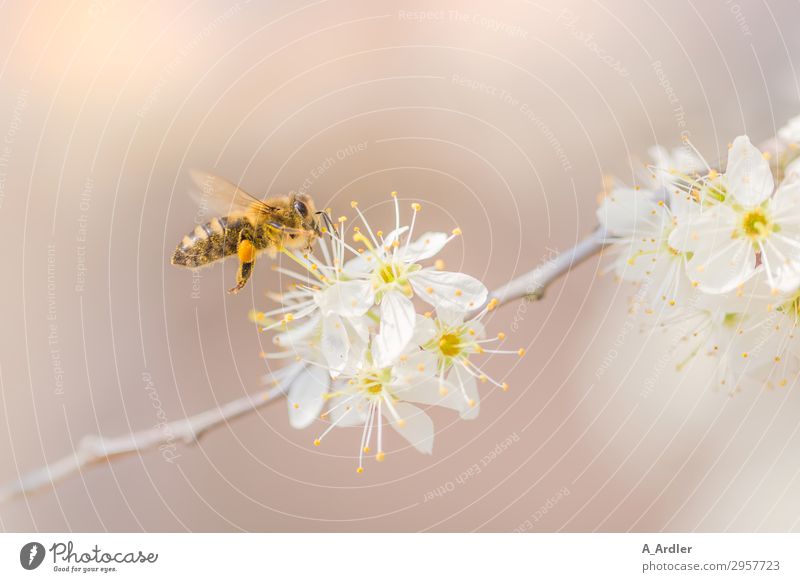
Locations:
(777, 358)
(471, 331)
(492, 304)
(317, 442)
(421, 367)
(521, 352)
(296, 405)
(443, 390)
(428, 289)
(360, 470)
(379, 234)
(288, 317)
(501, 336)
(342, 219)
(745, 354)
(483, 378)
(401, 422)
(471, 403)
(416, 206)
(428, 314)
(353, 204)
(456, 231)
(504, 387)
(459, 292)
(767, 155)
(394, 194)
(713, 174)
(439, 264)
(380, 456)
(366, 449)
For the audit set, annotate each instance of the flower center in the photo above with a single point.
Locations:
(450, 344)
(756, 224)
(375, 383)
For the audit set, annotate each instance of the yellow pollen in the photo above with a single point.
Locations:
(353, 204)
(456, 231)
(521, 352)
(416, 207)
(394, 194)
(360, 470)
(288, 317)
(317, 442)
(492, 304)
(380, 456)
(246, 251)
(366, 449)
(342, 219)
(501, 336)
(504, 386)
(483, 378)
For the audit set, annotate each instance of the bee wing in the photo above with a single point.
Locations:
(225, 198)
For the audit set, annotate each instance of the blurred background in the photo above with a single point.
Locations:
(499, 117)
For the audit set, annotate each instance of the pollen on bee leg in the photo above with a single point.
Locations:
(246, 251)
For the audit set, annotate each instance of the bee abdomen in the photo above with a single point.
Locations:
(207, 243)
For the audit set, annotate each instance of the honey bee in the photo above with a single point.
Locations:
(245, 227)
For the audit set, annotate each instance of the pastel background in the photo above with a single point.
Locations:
(499, 117)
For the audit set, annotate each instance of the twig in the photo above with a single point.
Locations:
(533, 285)
(93, 450)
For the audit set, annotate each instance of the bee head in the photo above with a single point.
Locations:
(303, 206)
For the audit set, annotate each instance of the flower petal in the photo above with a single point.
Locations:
(451, 290)
(628, 212)
(426, 246)
(466, 387)
(748, 176)
(347, 411)
(424, 331)
(413, 424)
(397, 327)
(721, 267)
(306, 396)
(335, 344)
(347, 298)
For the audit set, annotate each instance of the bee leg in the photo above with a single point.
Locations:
(246, 250)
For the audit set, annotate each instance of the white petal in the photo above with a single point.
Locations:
(305, 396)
(347, 411)
(452, 290)
(450, 315)
(721, 267)
(628, 212)
(424, 331)
(415, 426)
(748, 176)
(462, 380)
(335, 343)
(429, 392)
(347, 298)
(298, 335)
(417, 367)
(397, 327)
(394, 236)
(426, 246)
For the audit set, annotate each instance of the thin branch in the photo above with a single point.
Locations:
(94, 450)
(532, 285)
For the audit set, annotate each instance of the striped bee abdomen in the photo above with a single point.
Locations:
(209, 242)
